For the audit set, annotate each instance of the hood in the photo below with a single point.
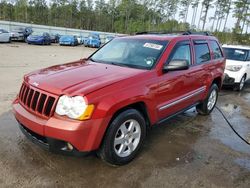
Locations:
(78, 78)
(35, 37)
(233, 62)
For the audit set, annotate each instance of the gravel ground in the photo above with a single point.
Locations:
(188, 151)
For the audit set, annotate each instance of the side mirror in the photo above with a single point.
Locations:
(177, 64)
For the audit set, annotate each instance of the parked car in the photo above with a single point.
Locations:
(80, 40)
(68, 40)
(39, 38)
(4, 36)
(107, 102)
(54, 38)
(93, 41)
(21, 33)
(237, 70)
(109, 38)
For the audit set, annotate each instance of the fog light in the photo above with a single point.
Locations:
(69, 146)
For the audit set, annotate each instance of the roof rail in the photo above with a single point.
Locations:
(197, 33)
(159, 32)
(174, 32)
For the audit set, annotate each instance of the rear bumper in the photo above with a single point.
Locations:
(55, 133)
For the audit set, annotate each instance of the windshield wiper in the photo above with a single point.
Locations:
(92, 59)
(119, 64)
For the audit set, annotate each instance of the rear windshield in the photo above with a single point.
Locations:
(235, 54)
(135, 53)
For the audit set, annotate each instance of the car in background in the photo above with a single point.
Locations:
(109, 38)
(93, 40)
(237, 70)
(80, 40)
(39, 38)
(21, 33)
(4, 36)
(55, 38)
(68, 40)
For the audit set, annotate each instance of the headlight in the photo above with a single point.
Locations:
(233, 68)
(74, 107)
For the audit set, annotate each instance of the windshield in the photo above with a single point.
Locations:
(136, 53)
(236, 54)
(66, 37)
(37, 34)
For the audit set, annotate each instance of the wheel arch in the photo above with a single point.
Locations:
(140, 106)
(218, 82)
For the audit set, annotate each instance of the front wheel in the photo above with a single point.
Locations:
(241, 85)
(207, 106)
(124, 138)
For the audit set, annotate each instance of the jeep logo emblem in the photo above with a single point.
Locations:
(35, 84)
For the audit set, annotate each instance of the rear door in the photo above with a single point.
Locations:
(178, 89)
(202, 66)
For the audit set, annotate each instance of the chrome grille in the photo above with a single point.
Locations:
(36, 101)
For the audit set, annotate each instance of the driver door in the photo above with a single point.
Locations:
(177, 89)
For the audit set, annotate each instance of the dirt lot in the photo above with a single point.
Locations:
(189, 151)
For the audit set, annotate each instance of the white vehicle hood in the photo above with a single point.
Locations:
(234, 62)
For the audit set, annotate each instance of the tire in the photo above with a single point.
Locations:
(207, 106)
(241, 85)
(129, 141)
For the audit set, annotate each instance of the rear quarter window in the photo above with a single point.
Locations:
(202, 53)
(216, 49)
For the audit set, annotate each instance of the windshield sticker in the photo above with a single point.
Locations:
(153, 46)
(239, 52)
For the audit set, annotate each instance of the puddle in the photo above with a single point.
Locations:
(223, 132)
(245, 163)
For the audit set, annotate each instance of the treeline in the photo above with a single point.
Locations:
(129, 16)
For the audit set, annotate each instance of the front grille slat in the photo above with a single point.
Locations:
(21, 91)
(49, 108)
(41, 103)
(27, 98)
(25, 95)
(36, 101)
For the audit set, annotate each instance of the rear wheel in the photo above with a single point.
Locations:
(124, 138)
(207, 106)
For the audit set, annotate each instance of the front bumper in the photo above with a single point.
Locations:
(228, 80)
(55, 133)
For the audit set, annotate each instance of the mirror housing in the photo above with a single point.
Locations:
(175, 65)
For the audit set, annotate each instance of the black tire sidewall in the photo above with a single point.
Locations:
(108, 152)
(203, 108)
(240, 89)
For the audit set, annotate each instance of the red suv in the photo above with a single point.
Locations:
(106, 103)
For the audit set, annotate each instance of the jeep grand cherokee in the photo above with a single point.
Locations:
(107, 102)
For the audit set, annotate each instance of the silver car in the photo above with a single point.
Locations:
(4, 36)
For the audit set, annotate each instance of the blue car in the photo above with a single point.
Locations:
(68, 40)
(39, 38)
(93, 40)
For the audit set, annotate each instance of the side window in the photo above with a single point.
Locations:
(202, 53)
(182, 52)
(248, 57)
(216, 49)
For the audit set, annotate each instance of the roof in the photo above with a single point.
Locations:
(169, 36)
